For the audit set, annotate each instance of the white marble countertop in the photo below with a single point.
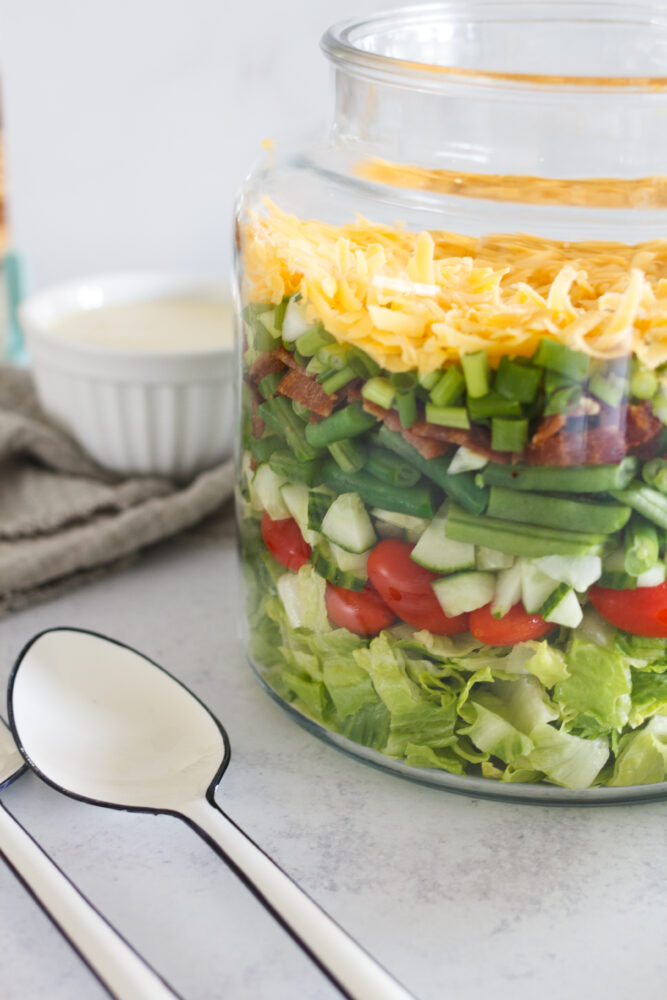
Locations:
(458, 897)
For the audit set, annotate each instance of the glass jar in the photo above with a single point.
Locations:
(453, 370)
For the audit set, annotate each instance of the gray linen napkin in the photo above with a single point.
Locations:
(63, 520)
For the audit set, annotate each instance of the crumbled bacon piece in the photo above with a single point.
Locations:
(613, 416)
(642, 430)
(476, 439)
(265, 364)
(390, 417)
(620, 430)
(431, 440)
(272, 361)
(287, 358)
(306, 390)
(549, 427)
(353, 391)
(604, 446)
(427, 447)
(554, 444)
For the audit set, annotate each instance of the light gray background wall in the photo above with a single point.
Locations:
(130, 124)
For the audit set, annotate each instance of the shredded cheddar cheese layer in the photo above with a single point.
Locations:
(420, 300)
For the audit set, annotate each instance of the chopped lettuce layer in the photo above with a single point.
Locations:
(588, 708)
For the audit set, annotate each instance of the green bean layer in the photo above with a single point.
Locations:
(391, 468)
(524, 540)
(345, 423)
(416, 500)
(557, 512)
(562, 478)
(460, 487)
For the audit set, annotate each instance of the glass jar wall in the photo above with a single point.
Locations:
(452, 485)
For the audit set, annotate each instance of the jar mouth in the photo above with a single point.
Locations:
(572, 45)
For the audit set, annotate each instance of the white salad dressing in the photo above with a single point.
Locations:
(173, 324)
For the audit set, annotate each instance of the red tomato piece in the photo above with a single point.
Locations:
(516, 626)
(285, 542)
(360, 611)
(406, 587)
(641, 612)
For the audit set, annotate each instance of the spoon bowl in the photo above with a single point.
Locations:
(104, 723)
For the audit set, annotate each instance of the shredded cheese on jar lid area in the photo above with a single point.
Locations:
(421, 300)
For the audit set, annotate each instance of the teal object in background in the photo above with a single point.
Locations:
(14, 277)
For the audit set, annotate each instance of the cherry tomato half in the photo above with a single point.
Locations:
(641, 612)
(406, 587)
(285, 542)
(361, 611)
(516, 626)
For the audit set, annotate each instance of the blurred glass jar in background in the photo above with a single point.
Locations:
(452, 489)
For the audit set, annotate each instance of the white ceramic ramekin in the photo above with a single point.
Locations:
(167, 413)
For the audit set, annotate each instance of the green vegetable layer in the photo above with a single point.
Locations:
(585, 706)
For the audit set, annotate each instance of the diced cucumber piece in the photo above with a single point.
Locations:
(265, 492)
(466, 460)
(407, 521)
(296, 497)
(294, 321)
(536, 586)
(492, 559)
(508, 590)
(350, 562)
(653, 577)
(562, 607)
(325, 566)
(464, 592)
(318, 505)
(437, 552)
(579, 572)
(347, 523)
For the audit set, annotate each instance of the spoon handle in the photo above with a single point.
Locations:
(347, 964)
(115, 963)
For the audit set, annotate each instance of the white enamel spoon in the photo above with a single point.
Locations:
(102, 723)
(118, 967)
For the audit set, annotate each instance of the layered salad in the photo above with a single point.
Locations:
(453, 495)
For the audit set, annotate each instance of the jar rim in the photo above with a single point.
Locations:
(346, 43)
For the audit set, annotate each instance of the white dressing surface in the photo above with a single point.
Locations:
(169, 324)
